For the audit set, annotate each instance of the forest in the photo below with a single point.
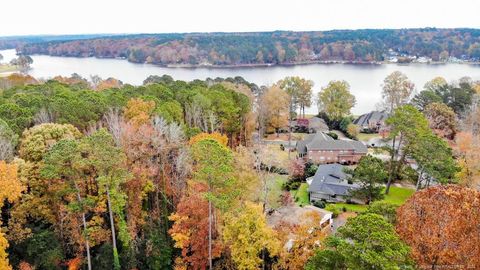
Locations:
(97, 174)
(265, 48)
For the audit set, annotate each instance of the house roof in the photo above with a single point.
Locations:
(318, 124)
(331, 179)
(371, 117)
(321, 141)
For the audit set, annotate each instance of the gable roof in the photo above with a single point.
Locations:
(321, 141)
(318, 124)
(371, 117)
(331, 179)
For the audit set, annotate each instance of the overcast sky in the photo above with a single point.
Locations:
(25, 17)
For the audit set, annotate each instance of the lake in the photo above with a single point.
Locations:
(365, 80)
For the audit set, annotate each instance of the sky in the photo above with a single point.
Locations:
(32, 17)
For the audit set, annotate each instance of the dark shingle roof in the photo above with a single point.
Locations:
(371, 117)
(330, 179)
(321, 141)
(318, 124)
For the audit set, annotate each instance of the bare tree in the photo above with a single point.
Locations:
(44, 116)
(6, 149)
(114, 122)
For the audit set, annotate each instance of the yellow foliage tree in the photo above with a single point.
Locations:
(10, 189)
(248, 234)
(138, 111)
(220, 138)
(300, 241)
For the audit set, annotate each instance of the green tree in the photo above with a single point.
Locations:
(336, 100)
(18, 118)
(60, 163)
(406, 124)
(370, 174)
(434, 158)
(458, 96)
(385, 209)
(424, 98)
(214, 167)
(367, 241)
(101, 156)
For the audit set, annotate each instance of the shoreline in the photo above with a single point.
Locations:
(266, 65)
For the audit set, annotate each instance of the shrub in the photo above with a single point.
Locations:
(333, 135)
(291, 185)
(332, 208)
(319, 204)
(310, 169)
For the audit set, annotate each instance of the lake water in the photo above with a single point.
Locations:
(365, 80)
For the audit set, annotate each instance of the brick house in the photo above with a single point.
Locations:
(323, 149)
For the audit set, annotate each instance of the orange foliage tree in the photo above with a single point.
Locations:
(138, 111)
(468, 150)
(220, 138)
(441, 225)
(190, 229)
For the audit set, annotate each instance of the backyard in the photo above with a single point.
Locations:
(300, 195)
(397, 196)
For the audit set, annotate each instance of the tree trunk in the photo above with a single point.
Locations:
(210, 234)
(116, 261)
(419, 179)
(390, 176)
(289, 137)
(84, 221)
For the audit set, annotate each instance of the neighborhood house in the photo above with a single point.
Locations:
(330, 184)
(372, 122)
(321, 148)
(312, 125)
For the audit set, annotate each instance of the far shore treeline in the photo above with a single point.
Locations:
(264, 48)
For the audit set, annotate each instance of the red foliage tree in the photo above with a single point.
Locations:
(190, 229)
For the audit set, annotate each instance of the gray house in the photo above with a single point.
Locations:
(330, 184)
(373, 121)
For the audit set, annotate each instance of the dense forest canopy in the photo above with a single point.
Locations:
(97, 174)
(256, 48)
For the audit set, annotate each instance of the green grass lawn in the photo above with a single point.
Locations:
(396, 196)
(274, 185)
(7, 68)
(367, 136)
(301, 195)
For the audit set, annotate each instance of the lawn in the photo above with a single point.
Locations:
(7, 68)
(301, 195)
(274, 186)
(367, 136)
(397, 196)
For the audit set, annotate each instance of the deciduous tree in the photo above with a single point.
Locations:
(442, 120)
(440, 224)
(247, 234)
(275, 104)
(396, 90)
(336, 100)
(10, 190)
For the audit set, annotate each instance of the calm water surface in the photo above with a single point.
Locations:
(365, 80)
